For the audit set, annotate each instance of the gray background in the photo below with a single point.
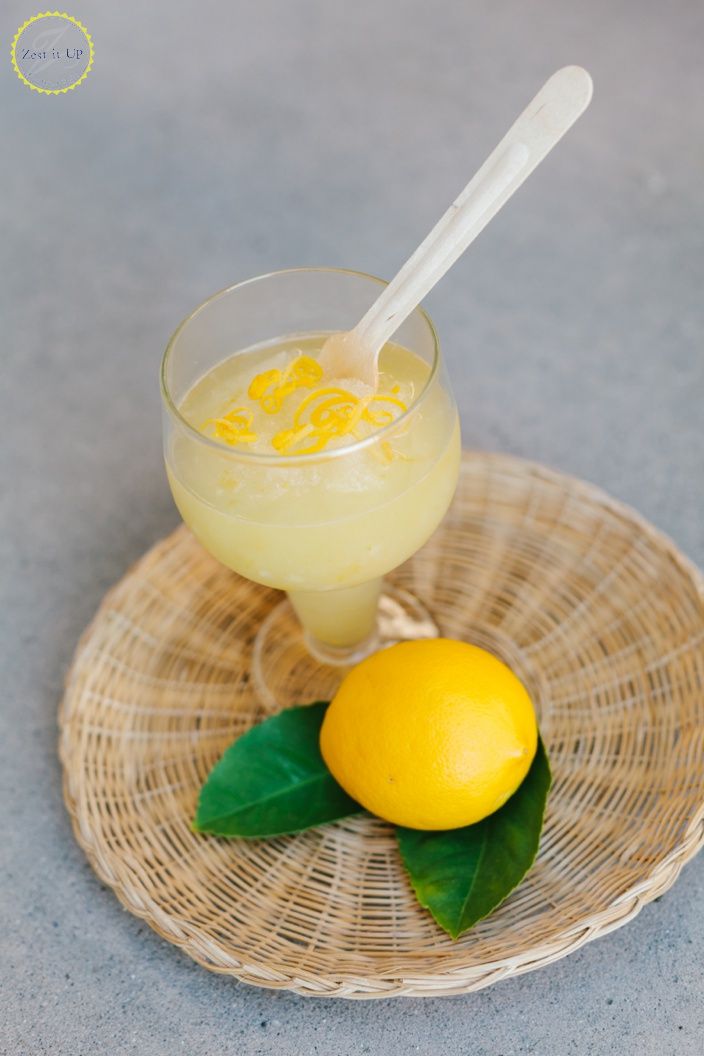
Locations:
(215, 141)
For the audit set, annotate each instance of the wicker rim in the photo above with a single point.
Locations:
(213, 956)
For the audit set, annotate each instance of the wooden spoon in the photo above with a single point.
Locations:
(558, 104)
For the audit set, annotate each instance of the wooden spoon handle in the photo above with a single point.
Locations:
(542, 124)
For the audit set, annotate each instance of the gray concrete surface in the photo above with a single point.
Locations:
(215, 141)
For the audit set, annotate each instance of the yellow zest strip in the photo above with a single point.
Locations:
(331, 396)
(234, 427)
(384, 416)
(288, 438)
(271, 387)
(333, 412)
(323, 414)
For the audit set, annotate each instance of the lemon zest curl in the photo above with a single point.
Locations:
(331, 412)
(235, 427)
(325, 413)
(271, 387)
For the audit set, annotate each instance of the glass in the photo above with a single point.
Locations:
(324, 527)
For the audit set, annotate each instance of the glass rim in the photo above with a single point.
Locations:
(312, 456)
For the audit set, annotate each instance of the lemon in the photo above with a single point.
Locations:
(432, 734)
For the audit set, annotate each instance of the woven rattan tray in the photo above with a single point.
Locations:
(599, 614)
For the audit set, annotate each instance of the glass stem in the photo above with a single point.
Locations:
(340, 624)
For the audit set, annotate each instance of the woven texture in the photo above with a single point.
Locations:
(597, 612)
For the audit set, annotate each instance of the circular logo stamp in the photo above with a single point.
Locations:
(52, 53)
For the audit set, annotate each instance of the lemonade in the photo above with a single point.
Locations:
(315, 486)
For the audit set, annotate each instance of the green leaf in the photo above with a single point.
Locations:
(461, 875)
(273, 780)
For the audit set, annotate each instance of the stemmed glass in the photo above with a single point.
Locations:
(323, 527)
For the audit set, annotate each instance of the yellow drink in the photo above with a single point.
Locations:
(324, 526)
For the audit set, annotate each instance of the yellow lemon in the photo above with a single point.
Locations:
(432, 734)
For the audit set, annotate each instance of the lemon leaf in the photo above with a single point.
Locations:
(461, 875)
(272, 781)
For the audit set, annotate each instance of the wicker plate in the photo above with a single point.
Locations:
(599, 614)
